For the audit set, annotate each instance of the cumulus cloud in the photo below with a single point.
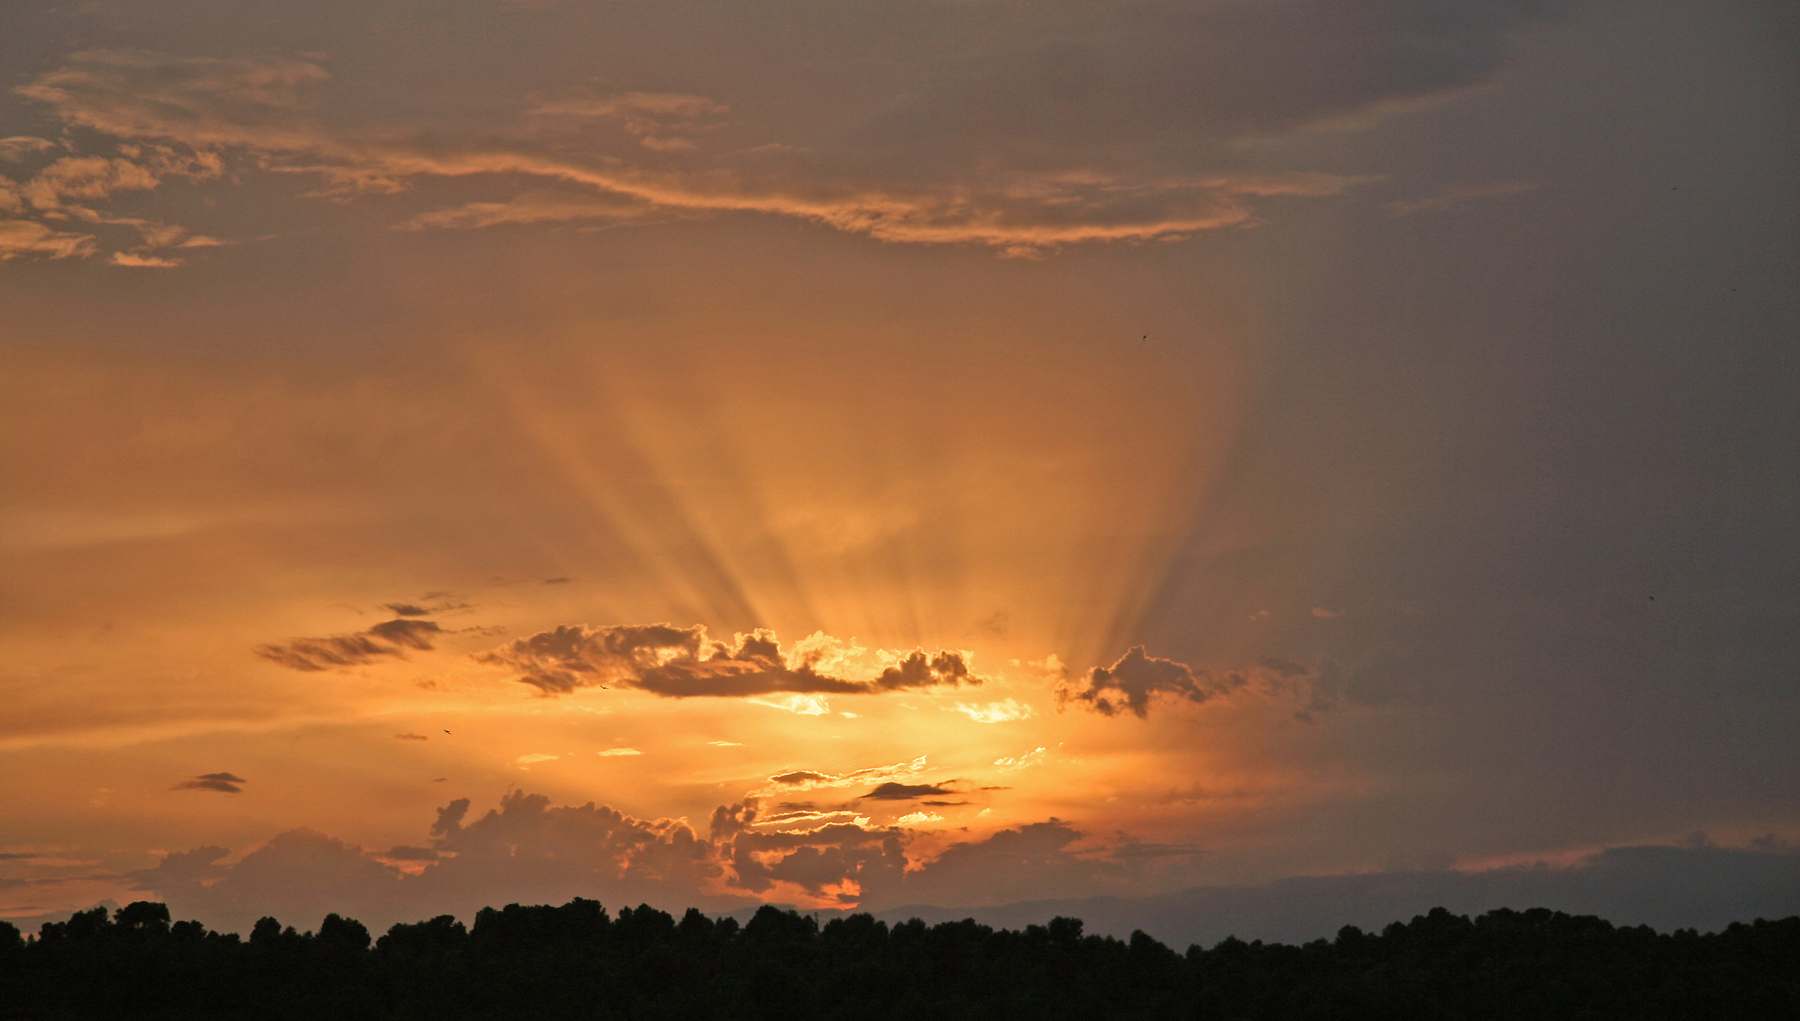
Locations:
(684, 662)
(387, 640)
(613, 753)
(223, 783)
(1133, 678)
(527, 850)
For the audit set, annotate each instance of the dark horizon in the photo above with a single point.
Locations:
(576, 960)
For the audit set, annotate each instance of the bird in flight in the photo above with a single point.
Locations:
(446, 732)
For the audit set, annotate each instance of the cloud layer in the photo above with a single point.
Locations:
(684, 662)
(1048, 125)
(389, 639)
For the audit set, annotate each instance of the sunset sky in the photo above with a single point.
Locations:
(863, 454)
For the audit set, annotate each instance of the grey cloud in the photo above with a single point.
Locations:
(388, 639)
(414, 634)
(528, 850)
(1136, 679)
(799, 776)
(906, 791)
(223, 783)
(523, 850)
(1132, 679)
(405, 853)
(261, 110)
(677, 662)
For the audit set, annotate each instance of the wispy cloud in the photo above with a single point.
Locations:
(388, 639)
(222, 783)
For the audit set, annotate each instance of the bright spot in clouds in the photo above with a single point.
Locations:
(918, 819)
(799, 705)
(1030, 758)
(1005, 711)
(612, 753)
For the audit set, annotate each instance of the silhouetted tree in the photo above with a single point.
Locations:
(575, 961)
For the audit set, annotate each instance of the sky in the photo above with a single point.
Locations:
(859, 455)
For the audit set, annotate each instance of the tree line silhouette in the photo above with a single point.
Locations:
(577, 961)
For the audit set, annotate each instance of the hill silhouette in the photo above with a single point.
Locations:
(576, 960)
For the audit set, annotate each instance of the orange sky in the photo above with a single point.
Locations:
(1265, 425)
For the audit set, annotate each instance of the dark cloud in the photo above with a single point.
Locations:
(224, 783)
(1137, 678)
(1134, 677)
(407, 610)
(799, 776)
(530, 851)
(405, 853)
(678, 662)
(388, 639)
(795, 780)
(905, 791)
(413, 634)
(409, 736)
(558, 580)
